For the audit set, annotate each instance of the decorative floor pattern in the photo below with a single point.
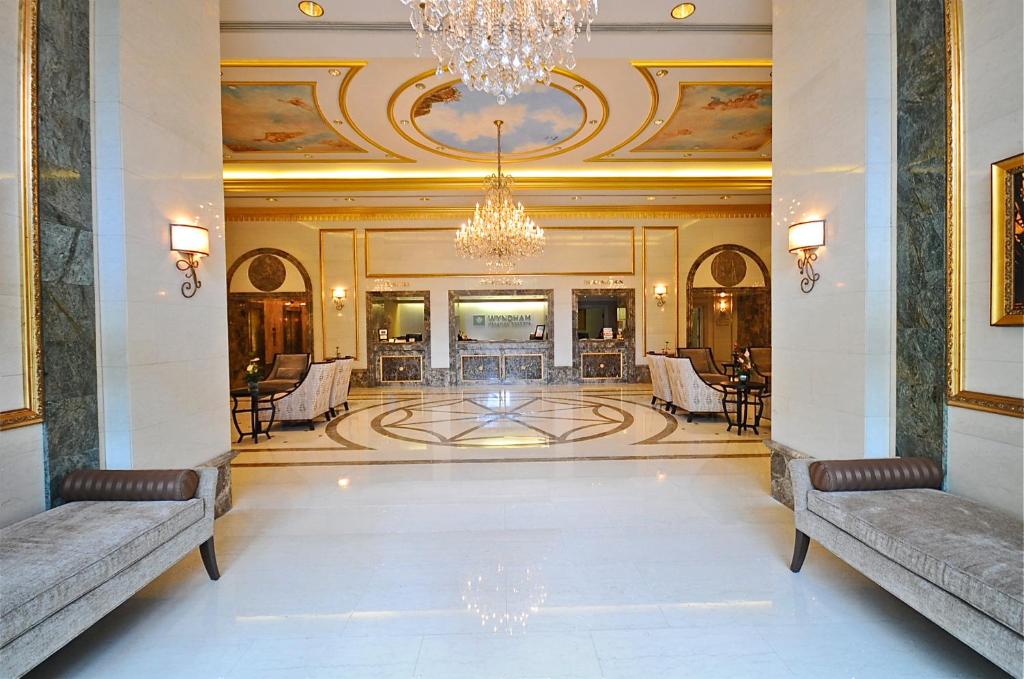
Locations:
(526, 424)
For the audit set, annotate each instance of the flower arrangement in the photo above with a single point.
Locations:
(744, 365)
(253, 372)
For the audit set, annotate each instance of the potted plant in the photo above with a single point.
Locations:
(253, 374)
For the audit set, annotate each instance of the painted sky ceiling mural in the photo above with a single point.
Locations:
(277, 117)
(716, 117)
(379, 112)
(461, 119)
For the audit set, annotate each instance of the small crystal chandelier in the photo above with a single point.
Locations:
(499, 233)
(497, 46)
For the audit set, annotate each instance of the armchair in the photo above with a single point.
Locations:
(690, 392)
(761, 358)
(339, 388)
(704, 363)
(659, 380)
(286, 371)
(309, 400)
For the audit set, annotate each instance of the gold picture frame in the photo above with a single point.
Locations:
(31, 409)
(1008, 241)
(956, 393)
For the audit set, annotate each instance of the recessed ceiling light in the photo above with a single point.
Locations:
(659, 121)
(307, 155)
(338, 122)
(723, 198)
(439, 148)
(335, 72)
(651, 197)
(271, 200)
(592, 122)
(350, 200)
(764, 155)
(227, 156)
(575, 197)
(311, 9)
(425, 199)
(421, 86)
(578, 87)
(683, 10)
(558, 148)
(299, 148)
(661, 72)
(405, 122)
(687, 155)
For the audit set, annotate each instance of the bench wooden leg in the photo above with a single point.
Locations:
(803, 541)
(209, 559)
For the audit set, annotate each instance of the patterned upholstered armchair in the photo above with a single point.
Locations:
(339, 389)
(309, 400)
(704, 363)
(659, 380)
(761, 357)
(286, 371)
(690, 392)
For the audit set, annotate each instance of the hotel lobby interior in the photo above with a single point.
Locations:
(512, 339)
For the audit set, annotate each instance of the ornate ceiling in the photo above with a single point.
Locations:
(371, 121)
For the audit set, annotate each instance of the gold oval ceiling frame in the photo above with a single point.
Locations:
(511, 157)
(644, 68)
(352, 67)
(316, 102)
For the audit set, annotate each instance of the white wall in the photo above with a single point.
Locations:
(158, 160)
(986, 451)
(832, 138)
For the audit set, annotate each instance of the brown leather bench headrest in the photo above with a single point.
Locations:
(882, 474)
(133, 484)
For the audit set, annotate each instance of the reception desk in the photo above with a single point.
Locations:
(502, 362)
(600, 360)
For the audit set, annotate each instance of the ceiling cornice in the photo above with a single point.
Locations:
(403, 27)
(406, 214)
(269, 186)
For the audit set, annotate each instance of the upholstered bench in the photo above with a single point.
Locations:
(958, 563)
(64, 569)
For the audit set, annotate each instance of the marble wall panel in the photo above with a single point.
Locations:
(68, 306)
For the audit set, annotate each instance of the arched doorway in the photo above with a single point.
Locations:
(270, 302)
(728, 300)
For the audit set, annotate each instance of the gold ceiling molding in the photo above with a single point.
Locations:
(352, 68)
(566, 146)
(270, 185)
(406, 214)
(645, 67)
(956, 333)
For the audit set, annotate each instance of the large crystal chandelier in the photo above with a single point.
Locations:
(499, 232)
(497, 46)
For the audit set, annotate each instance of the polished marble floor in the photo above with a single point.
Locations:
(513, 423)
(570, 567)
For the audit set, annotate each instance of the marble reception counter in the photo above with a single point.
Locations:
(506, 362)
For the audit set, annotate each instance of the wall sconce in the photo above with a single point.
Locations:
(723, 305)
(804, 239)
(339, 296)
(660, 290)
(193, 243)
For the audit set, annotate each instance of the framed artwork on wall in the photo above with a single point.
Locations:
(1008, 241)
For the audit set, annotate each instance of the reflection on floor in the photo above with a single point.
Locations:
(632, 569)
(477, 425)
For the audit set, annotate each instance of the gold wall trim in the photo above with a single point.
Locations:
(1004, 312)
(675, 281)
(31, 410)
(368, 274)
(539, 154)
(271, 185)
(352, 68)
(956, 334)
(354, 296)
(644, 67)
(406, 214)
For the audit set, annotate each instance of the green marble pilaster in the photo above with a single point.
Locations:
(920, 230)
(67, 294)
